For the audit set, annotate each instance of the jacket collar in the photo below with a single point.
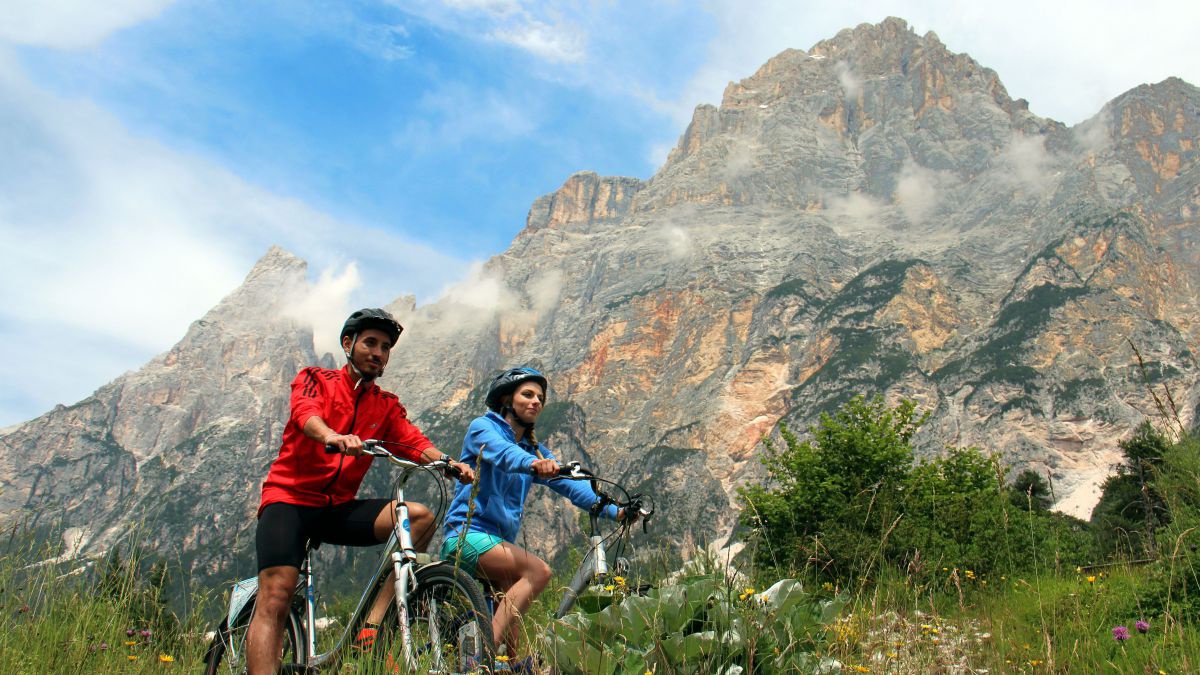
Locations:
(507, 429)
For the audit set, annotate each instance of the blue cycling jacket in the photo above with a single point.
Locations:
(504, 480)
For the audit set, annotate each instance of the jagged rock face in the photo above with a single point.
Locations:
(875, 215)
(176, 450)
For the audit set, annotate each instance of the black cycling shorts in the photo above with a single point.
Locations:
(284, 530)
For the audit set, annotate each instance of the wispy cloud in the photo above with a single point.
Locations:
(1026, 161)
(455, 115)
(72, 24)
(540, 29)
(121, 242)
(919, 191)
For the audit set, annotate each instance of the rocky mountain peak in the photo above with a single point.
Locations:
(584, 199)
(871, 216)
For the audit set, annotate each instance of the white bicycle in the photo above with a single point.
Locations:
(439, 623)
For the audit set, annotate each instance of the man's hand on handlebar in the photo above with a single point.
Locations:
(347, 444)
(545, 468)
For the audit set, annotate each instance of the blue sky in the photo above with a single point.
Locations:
(156, 148)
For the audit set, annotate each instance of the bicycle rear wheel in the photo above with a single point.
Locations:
(227, 652)
(450, 627)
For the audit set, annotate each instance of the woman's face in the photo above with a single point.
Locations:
(527, 401)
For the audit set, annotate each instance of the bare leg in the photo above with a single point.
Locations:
(264, 638)
(522, 576)
(420, 521)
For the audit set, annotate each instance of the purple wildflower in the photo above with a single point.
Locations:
(103, 646)
(146, 633)
(1142, 626)
(1120, 633)
(130, 632)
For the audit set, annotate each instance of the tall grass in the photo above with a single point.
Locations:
(75, 615)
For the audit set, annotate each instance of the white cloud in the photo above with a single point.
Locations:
(562, 42)
(863, 211)
(1093, 134)
(456, 114)
(851, 84)
(676, 241)
(324, 305)
(71, 24)
(919, 190)
(121, 242)
(544, 291)
(1026, 160)
(483, 293)
(541, 29)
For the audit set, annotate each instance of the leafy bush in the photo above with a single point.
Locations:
(1130, 506)
(851, 499)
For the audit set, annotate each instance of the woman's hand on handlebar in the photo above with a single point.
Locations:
(544, 468)
(632, 515)
(466, 475)
(347, 444)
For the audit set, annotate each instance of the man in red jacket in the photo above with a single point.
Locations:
(310, 494)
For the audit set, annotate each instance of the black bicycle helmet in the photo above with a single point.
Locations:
(507, 382)
(372, 318)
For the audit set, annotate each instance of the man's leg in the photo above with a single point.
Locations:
(264, 639)
(279, 543)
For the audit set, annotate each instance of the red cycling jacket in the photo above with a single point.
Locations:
(304, 474)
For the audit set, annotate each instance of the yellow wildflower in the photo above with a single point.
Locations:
(133, 657)
(501, 657)
(1091, 580)
(130, 643)
(750, 591)
(166, 658)
(610, 587)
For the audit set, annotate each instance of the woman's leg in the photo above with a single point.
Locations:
(522, 576)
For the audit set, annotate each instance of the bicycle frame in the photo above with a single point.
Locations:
(595, 561)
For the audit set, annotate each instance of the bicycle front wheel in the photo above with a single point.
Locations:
(449, 625)
(227, 652)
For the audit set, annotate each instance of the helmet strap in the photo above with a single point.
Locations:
(353, 368)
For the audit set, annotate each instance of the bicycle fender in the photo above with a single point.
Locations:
(239, 595)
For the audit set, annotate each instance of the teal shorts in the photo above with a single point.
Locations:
(475, 545)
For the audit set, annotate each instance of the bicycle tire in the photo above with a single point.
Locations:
(441, 609)
(227, 651)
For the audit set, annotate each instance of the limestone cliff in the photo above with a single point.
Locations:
(873, 215)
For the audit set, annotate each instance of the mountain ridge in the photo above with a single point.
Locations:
(874, 215)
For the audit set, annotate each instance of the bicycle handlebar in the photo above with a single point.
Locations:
(635, 502)
(371, 447)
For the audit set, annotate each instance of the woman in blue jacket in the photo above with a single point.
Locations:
(507, 458)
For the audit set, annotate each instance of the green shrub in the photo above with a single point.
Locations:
(851, 499)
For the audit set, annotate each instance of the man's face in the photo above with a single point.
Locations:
(371, 351)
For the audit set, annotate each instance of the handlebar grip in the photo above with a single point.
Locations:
(332, 450)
